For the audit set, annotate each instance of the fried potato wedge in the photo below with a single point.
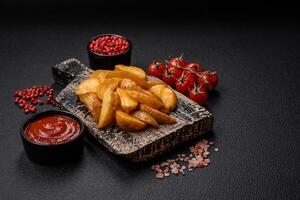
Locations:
(115, 74)
(128, 104)
(87, 86)
(145, 98)
(127, 83)
(107, 113)
(169, 98)
(151, 83)
(100, 73)
(117, 101)
(157, 89)
(145, 117)
(160, 117)
(131, 69)
(93, 104)
(106, 84)
(134, 73)
(139, 89)
(128, 122)
(166, 95)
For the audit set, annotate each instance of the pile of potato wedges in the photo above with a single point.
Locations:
(124, 96)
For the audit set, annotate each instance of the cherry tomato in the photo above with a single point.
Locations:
(211, 78)
(177, 72)
(198, 94)
(178, 61)
(184, 84)
(156, 69)
(168, 77)
(195, 66)
(202, 82)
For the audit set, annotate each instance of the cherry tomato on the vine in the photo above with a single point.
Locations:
(203, 82)
(192, 69)
(212, 78)
(177, 61)
(196, 67)
(198, 94)
(177, 72)
(184, 84)
(156, 69)
(169, 78)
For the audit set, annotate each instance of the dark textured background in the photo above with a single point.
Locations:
(256, 106)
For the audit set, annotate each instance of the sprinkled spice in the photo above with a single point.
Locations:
(182, 163)
(28, 98)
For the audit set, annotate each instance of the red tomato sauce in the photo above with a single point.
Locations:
(55, 129)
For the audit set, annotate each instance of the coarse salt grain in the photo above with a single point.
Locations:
(198, 158)
(159, 176)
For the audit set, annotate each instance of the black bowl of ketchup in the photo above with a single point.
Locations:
(53, 137)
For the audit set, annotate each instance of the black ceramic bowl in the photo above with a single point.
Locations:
(53, 153)
(101, 61)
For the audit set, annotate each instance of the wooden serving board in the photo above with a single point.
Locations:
(192, 119)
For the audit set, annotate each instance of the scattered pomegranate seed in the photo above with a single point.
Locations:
(198, 158)
(28, 98)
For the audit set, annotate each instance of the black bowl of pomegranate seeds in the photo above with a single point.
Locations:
(107, 50)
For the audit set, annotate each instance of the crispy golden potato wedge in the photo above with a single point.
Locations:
(157, 89)
(145, 117)
(145, 98)
(115, 74)
(144, 91)
(169, 98)
(134, 73)
(93, 104)
(140, 89)
(164, 110)
(128, 122)
(100, 73)
(132, 69)
(107, 113)
(128, 104)
(87, 86)
(127, 83)
(117, 101)
(166, 95)
(107, 83)
(151, 83)
(160, 117)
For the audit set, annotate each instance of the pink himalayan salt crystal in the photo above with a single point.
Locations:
(197, 158)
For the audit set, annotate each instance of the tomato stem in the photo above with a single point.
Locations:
(198, 74)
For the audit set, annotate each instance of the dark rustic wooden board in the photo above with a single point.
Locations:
(192, 120)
